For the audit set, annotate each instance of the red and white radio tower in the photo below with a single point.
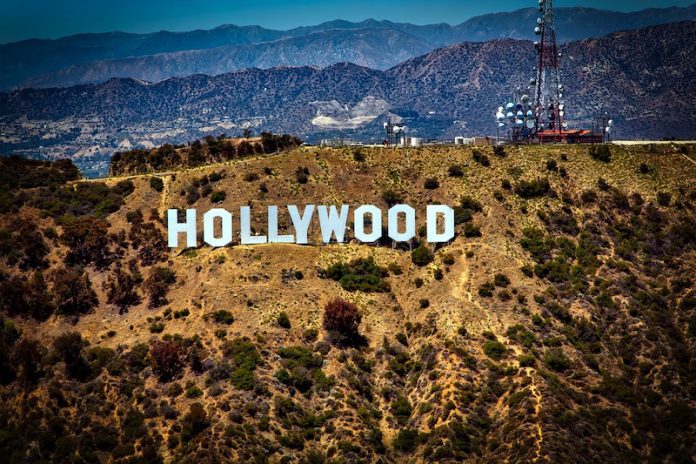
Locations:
(548, 104)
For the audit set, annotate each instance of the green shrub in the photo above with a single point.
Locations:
(486, 289)
(480, 158)
(193, 392)
(156, 184)
(551, 165)
(494, 349)
(302, 175)
(244, 358)
(222, 316)
(527, 360)
(218, 196)
(406, 440)
(532, 188)
(664, 198)
(194, 422)
(455, 170)
(392, 198)
(556, 360)
(422, 256)
(283, 320)
(157, 327)
(361, 274)
(401, 409)
(600, 153)
(468, 202)
(358, 156)
(462, 215)
(472, 230)
(501, 280)
(431, 183)
(401, 338)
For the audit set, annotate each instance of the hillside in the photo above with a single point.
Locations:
(92, 58)
(645, 79)
(558, 326)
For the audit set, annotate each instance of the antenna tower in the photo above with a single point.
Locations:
(548, 104)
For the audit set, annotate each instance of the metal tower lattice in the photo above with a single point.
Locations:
(548, 97)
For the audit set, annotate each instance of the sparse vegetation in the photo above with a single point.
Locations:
(598, 320)
(360, 274)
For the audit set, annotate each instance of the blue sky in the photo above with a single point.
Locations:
(22, 19)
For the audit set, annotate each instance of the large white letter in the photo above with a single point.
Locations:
(332, 223)
(432, 212)
(174, 228)
(410, 219)
(273, 236)
(209, 227)
(359, 220)
(245, 228)
(301, 224)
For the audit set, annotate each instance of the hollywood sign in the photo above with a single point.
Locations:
(333, 222)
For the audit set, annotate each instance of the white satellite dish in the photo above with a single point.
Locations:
(530, 124)
(610, 122)
(537, 30)
(510, 115)
(565, 125)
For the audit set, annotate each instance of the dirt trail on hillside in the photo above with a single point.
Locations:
(539, 440)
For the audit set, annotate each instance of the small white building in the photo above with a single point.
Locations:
(464, 140)
(411, 141)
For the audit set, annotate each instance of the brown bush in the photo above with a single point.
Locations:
(157, 285)
(342, 317)
(72, 292)
(166, 359)
(88, 240)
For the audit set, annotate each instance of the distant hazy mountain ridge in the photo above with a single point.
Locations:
(91, 58)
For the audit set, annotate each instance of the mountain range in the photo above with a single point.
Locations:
(645, 79)
(93, 58)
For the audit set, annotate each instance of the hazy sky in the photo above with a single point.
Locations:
(22, 19)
